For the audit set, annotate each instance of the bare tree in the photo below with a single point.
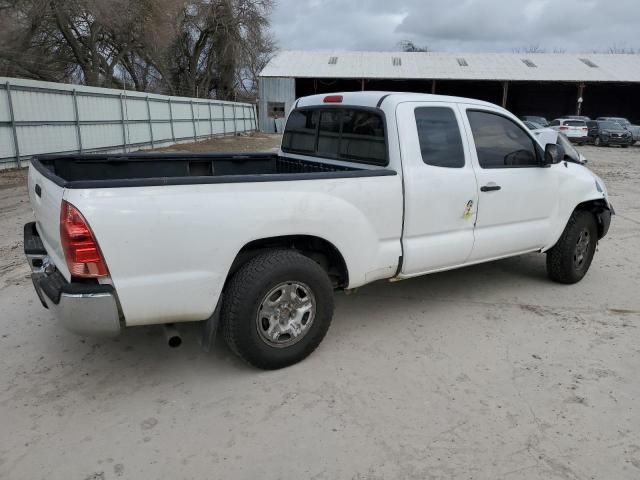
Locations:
(533, 48)
(255, 52)
(24, 47)
(256, 48)
(537, 48)
(410, 46)
(622, 49)
(208, 53)
(184, 47)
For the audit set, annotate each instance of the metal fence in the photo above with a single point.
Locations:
(43, 117)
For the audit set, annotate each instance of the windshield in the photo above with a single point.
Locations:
(538, 120)
(575, 123)
(622, 121)
(610, 125)
(533, 125)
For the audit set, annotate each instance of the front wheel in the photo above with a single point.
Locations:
(569, 260)
(276, 309)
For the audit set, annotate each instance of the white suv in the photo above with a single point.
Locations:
(576, 130)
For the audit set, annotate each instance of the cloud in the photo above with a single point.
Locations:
(456, 25)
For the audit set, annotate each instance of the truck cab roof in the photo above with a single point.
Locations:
(375, 99)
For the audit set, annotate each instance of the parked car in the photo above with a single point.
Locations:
(367, 186)
(575, 130)
(634, 129)
(570, 152)
(545, 135)
(535, 119)
(577, 117)
(605, 133)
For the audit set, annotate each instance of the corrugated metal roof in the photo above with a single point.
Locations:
(485, 66)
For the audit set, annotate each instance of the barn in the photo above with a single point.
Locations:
(549, 85)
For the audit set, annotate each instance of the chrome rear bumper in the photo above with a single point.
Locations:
(83, 308)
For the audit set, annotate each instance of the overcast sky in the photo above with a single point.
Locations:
(457, 25)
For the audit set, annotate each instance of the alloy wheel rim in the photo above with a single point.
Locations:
(582, 249)
(286, 314)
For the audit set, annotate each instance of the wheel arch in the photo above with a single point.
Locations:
(320, 250)
(598, 207)
(601, 211)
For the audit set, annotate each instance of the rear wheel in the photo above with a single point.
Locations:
(569, 260)
(276, 309)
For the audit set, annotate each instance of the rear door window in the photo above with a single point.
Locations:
(350, 134)
(439, 136)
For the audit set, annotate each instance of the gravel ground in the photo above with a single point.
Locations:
(489, 372)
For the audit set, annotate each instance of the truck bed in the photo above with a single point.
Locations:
(147, 169)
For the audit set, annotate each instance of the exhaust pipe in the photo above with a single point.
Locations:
(172, 335)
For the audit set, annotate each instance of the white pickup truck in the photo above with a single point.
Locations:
(367, 186)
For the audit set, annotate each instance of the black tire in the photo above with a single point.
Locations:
(245, 293)
(625, 146)
(569, 259)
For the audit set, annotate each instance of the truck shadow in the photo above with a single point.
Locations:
(483, 283)
(142, 352)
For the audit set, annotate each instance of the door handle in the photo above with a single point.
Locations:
(490, 188)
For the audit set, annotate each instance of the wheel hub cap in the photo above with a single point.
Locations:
(286, 314)
(582, 249)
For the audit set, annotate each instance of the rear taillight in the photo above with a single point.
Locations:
(81, 250)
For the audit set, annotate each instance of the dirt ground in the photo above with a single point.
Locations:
(257, 142)
(489, 372)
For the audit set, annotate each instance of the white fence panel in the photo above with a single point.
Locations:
(42, 118)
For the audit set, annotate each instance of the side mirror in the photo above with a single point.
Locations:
(553, 153)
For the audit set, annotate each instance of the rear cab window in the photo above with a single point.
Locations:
(300, 134)
(353, 134)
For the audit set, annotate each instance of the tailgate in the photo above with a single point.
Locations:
(581, 131)
(46, 198)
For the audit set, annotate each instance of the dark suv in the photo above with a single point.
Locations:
(604, 133)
